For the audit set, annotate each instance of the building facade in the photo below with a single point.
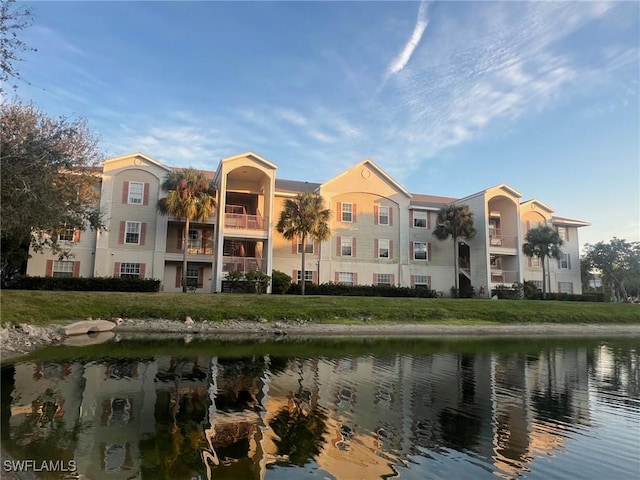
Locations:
(381, 233)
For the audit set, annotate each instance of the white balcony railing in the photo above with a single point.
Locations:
(504, 277)
(502, 241)
(244, 221)
(244, 264)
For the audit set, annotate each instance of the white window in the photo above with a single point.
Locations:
(535, 261)
(62, 268)
(346, 244)
(564, 261)
(194, 240)
(132, 233)
(565, 287)
(346, 278)
(419, 219)
(129, 270)
(383, 248)
(421, 280)
(308, 247)
(136, 193)
(420, 251)
(308, 276)
(66, 234)
(193, 276)
(383, 216)
(538, 284)
(562, 232)
(347, 212)
(384, 279)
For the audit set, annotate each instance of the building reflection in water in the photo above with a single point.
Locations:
(210, 417)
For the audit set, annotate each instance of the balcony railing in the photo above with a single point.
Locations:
(244, 264)
(200, 250)
(505, 277)
(243, 221)
(502, 241)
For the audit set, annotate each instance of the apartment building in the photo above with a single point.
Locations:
(381, 233)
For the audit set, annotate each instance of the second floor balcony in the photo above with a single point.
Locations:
(243, 264)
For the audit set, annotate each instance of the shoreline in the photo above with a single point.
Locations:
(23, 339)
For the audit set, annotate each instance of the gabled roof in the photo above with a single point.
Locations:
(541, 205)
(503, 186)
(295, 186)
(368, 163)
(569, 222)
(253, 155)
(141, 155)
(429, 201)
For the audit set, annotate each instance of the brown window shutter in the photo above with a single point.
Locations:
(376, 212)
(393, 279)
(429, 280)
(390, 249)
(125, 192)
(316, 247)
(200, 277)
(76, 235)
(123, 226)
(413, 281)
(569, 261)
(76, 269)
(143, 268)
(337, 277)
(528, 225)
(558, 287)
(339, 210)
(429, 251)
(571, 287)
(294, 276)
(353, 212)
(353, 246)
(179, 276)
(314, 277)
(566, 233)
(529, 261)
(49, 269)
(116, 269)
(376, 252)
(429, 220)
(355, 278)
(558, 263)
(143, 233)
(375, 279)
(180, 234)
(410, 218)
(411, 250)
(145, 195)
(294, 244)
(338, 246)
(390, 216)
(203, 245)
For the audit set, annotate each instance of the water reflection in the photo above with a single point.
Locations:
(435, 415)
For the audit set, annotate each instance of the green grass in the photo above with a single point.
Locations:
(47, 307)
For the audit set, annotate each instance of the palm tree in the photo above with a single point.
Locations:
(455, 221)
(304, 217)
(543, 242)
(190, 195)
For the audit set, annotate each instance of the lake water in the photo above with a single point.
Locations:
(411, 408)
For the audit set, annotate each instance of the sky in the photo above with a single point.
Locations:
(449, 98)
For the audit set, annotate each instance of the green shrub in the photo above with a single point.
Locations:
(280, 282)
(339, 289)
(90, 284)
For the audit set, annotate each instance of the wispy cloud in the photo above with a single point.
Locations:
(404, 56)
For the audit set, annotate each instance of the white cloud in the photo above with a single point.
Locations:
(404, 56)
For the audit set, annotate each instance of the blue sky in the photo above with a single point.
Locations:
(449, 98)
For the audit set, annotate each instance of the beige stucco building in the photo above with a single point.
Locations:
(381, 233)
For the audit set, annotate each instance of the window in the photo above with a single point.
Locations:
(132, 233)
(383, 216)
(66, 234)
(383, 248)
(562, 232)
(564, 261)
(308, 276)
(565, 287)
(535, 262)
(193, 276)
(347, 212)
(346, 278)
(346, 246)
(419, 219)
(308, 247)
(533, 224)
(129, 270)
(62, 269)
(421, 280)
(194, 241)
(136, 193)
(538, 284)
(383, 279)
(420, 251)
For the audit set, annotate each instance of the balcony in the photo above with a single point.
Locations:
(199, 250)
(497, 240)
(243, 221)
(243, 264)
(503, 277)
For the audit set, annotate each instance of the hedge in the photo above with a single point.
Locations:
(339, 289)
(94, 284)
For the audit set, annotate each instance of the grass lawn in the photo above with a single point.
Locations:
(47, 307)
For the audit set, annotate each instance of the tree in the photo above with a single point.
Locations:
(49, 181)
(619, 262)
(455, 221)
(190, 195)
(304, 217)
(12, 21)
(543, 242)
